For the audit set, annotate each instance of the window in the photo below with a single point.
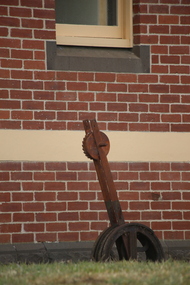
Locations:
(105, 23)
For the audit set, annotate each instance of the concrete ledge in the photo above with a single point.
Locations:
(75, 251)
(72, 58)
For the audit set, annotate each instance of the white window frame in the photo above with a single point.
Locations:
(100, 35)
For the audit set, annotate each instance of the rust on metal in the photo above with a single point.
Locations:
(120, 240)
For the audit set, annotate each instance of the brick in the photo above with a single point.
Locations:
(10, 207)
(135, 107)
(139, 205)
(55, 206)
(56, 227)
(173, 235)
(43, 217)
(5, 218)
(42, 34)
(34, 64)
(149, 176)
(148, 97)
(77, 185)
(44, 176)
(184, 20)
(117, 126)
(34, 227)
(56, 166)
(77, 86)
(107, 117)
(169, 98)
(15, 84)
(23, 217)
(44, 14)
(128, 195)
(172, 215)
(147, 78)
(11, 125)
(181, 225)
(171, 118)
(88, 216)
(97, 86)
(127, 97)
(120, 107)
(10, 186)
(170, 40)
(32, 23)
(73, 236)
(10, 166)
(180, 69)
(180, 10)
(45, 196)
(54, 186)
(67, 196)
(9, 21)
(77, 165)
(32, 186)
(159, 108)
(66, 96)
(33, 125)
(86, 96)
(168, 19)
(4, 52)
(33, 105)
(97, 106)
(77, 206)
(55, 126)
(180, 128)
(160, 186)
(180, 205)
(4, 73)
(46, 237)
(4, 176)
(43, 95)
(129, 117)
(20, 94)
(4, 115)
(169, 78)
(139, 186)
(44, 115)
(180, 108)
(10, 228)
(94, 206)
(106, 77)
(33, 44)
(55, 106)
(33, 207)
(127, 78)
(5, 197)
(159, 29)
(21, 33)
(14, 43)
(79, 226)
(11, 63)
(39, 55)
(21, 176)
(54, 85)
(159, 69)
(69, 75)
(153, 215)
(180, 89)
(160, 205)
(159, 49)
(22, 196)
(114, 87)
(160, 9)
(136, 166)
(149, 117)
(161, 225)
(68, 216)
(171, 196)
(185, 79)
(138, 88)
(106, 97)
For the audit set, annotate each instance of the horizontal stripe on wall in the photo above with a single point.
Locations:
(17, 145)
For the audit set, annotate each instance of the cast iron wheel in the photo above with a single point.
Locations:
(134, 233)
(99, 241)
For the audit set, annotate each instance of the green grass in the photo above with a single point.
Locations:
(83, 273)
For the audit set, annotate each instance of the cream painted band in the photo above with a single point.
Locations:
(16, 145)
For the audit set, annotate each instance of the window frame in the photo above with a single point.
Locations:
(102, 36)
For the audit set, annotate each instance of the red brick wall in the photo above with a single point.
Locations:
(61, 201)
